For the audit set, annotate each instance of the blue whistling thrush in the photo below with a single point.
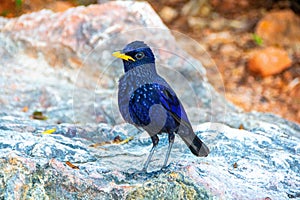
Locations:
(146, 100)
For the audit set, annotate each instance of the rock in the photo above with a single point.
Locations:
(194, 7)
(61, 64)
(218, 24)
(197, 23)
(168, 14)
(269, 61)
(279, 28)
(82, 48)
(229, 50)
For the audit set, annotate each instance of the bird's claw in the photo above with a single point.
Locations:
(164, 168)
(144, 170)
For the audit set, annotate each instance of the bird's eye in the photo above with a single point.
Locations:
(139, 55)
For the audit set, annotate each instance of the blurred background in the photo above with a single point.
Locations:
(255, 45)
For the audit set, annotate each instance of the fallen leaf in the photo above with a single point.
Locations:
(116, 140)
(241, 127)
(25, 109)
(39, 115)
(235, 165)
(71, 165)
(49, 131)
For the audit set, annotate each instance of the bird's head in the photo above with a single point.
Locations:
(135, 54)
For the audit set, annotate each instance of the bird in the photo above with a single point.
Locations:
(147, 101)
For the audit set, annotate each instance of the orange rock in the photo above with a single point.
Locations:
(269, 61)
(279, 28)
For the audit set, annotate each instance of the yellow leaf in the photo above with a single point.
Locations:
(49, 131)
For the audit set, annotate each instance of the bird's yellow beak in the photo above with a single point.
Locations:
(123, 56)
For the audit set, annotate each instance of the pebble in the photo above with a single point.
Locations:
(196, 8)
(168, 14)
(269, 61)
(197, 23)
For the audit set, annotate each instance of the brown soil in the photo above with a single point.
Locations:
(228, 47)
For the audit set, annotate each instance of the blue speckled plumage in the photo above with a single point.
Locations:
(146, 100)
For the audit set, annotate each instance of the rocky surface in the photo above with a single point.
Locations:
(61, 65)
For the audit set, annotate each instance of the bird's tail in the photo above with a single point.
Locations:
(196, 146)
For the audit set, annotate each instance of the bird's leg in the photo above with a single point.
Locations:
(171, 142)
(155, 141)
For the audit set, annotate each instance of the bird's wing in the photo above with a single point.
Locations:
(172, 104)
(139, 105)
(138, 114)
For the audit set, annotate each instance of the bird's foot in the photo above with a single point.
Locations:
(164, 168)
(144, 170)
(141, 174)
